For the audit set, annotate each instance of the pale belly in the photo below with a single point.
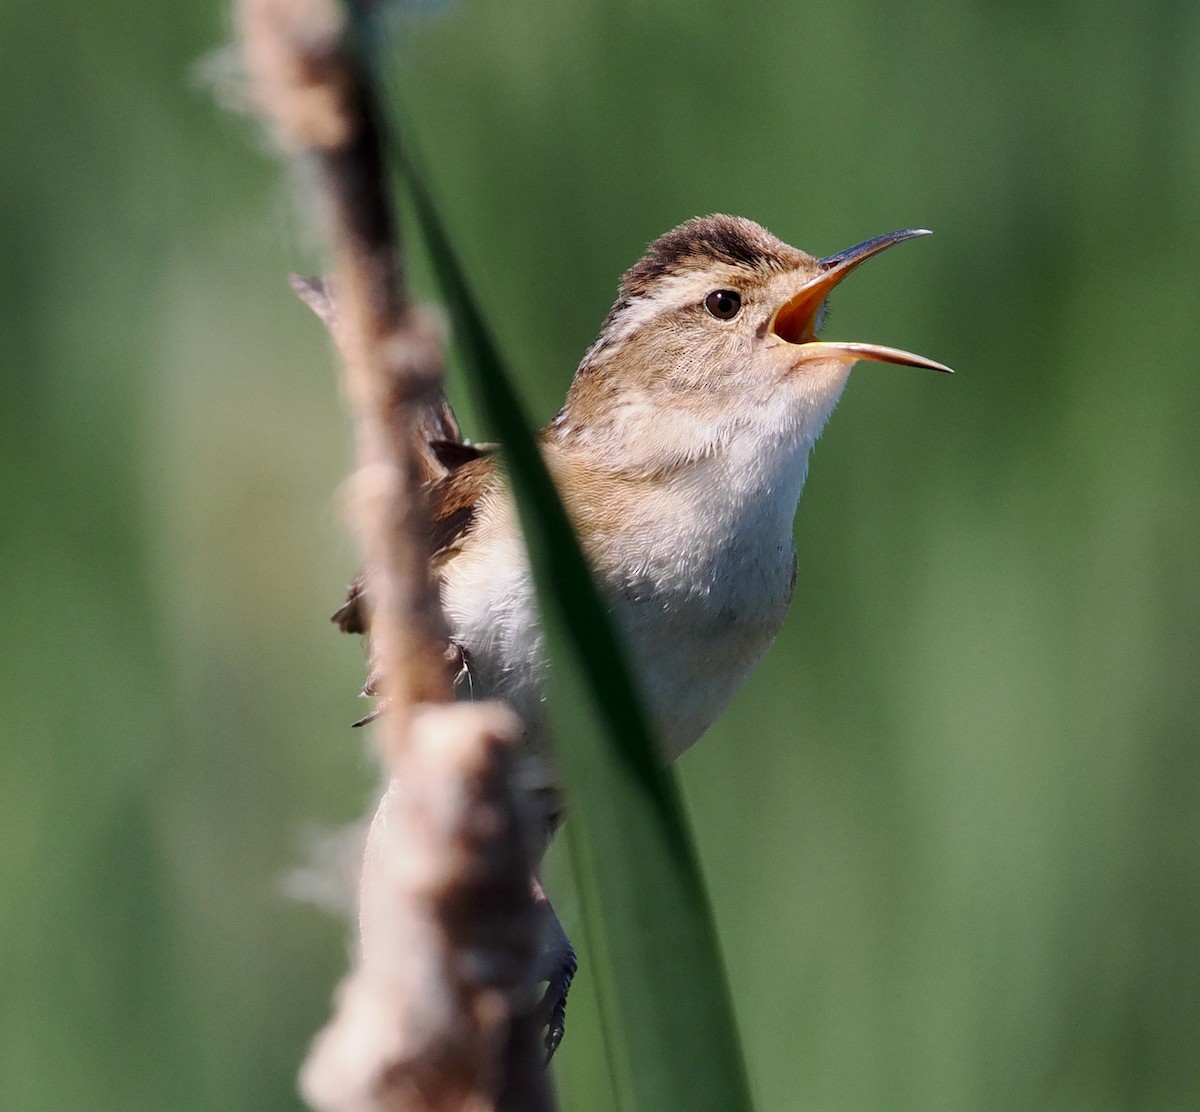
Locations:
(692, 639)
(693, 649)
(696, 596)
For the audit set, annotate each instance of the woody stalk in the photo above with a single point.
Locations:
(434, 1016)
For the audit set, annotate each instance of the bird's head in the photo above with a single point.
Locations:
(714, 336)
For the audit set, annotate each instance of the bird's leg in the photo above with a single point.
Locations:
(557, 968)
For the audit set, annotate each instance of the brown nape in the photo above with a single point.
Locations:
(699, 242)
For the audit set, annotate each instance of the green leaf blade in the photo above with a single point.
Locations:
(666, 1013)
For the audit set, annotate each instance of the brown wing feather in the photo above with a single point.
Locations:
(453, 501)
(350, 617)
(455, 472)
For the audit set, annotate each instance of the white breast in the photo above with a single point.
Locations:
(699, 573)
(711, 585)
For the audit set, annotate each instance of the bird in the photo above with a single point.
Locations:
(680, 454)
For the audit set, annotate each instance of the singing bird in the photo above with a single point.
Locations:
(680, 454)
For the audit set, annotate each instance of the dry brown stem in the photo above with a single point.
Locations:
(308, 81)
(435, 1015)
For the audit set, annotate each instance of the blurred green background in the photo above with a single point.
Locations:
(951, 826)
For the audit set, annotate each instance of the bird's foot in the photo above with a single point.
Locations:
(457, 663)
(560, 966)
(370, 690)
(556, 967)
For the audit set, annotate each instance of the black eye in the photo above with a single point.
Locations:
(723, 304)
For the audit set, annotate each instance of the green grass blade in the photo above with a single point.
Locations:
(669, 1028)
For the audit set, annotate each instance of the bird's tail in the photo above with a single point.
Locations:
(440, 444)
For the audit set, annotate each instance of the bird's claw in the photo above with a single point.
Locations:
(457, 662)
(562, 966)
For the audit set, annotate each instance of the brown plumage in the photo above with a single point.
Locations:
(698, 244)
(456, 473)
(680, 454)
(452, 499)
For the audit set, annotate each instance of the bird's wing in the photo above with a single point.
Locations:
(453, 501)
(455, 472)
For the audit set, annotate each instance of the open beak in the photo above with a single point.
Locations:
(795, 320)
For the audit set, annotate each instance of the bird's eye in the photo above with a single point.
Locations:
(723, 304)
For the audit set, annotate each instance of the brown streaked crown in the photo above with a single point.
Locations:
(703, 240)
(695, 245)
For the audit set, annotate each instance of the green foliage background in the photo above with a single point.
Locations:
(950, 827)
